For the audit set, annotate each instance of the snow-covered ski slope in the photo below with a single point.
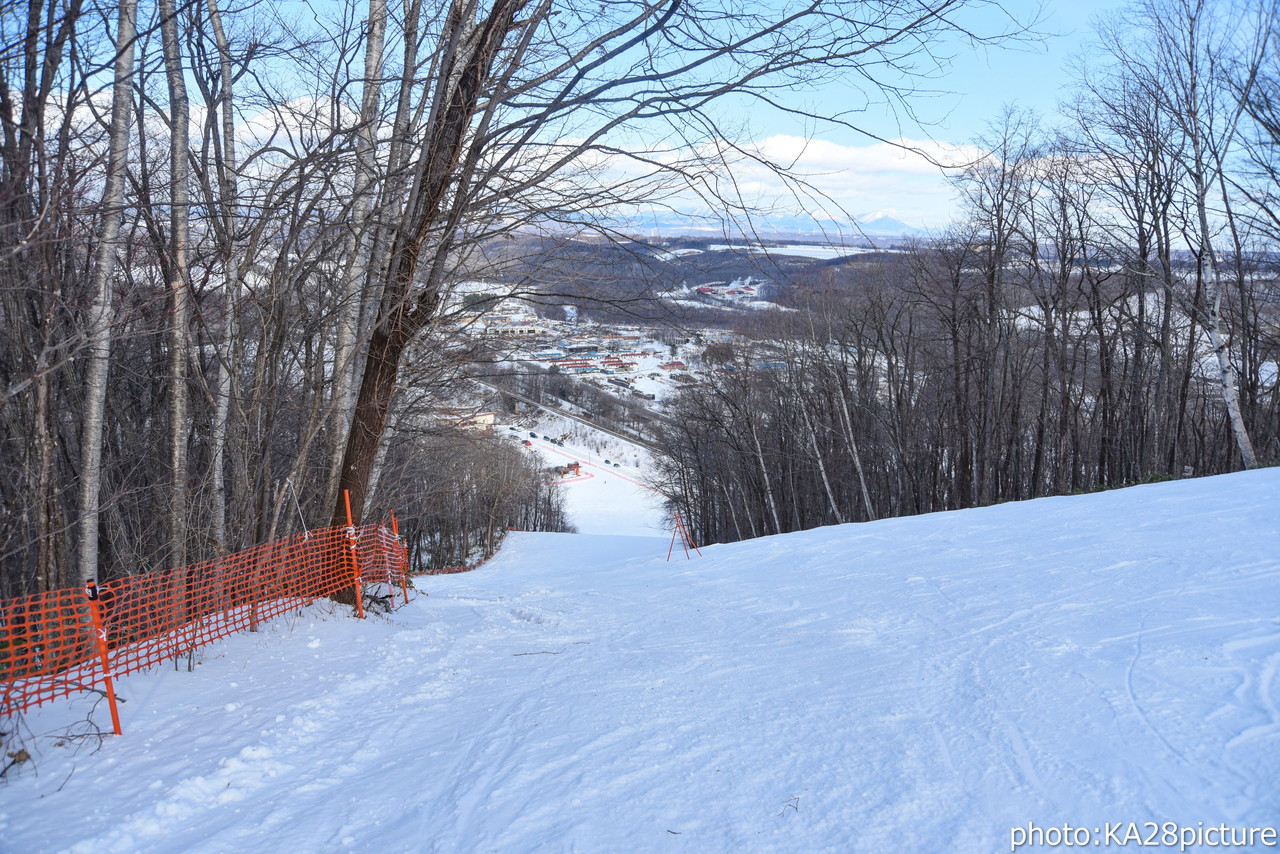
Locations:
(912, 685)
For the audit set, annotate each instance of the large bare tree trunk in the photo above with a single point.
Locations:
(1194, 125)
(99, 331)
(370, 420)
(226, 170)
(380, 459)
(468, 52)
(352, 285)
(46, 449)
(179, 288)
(1218, 341)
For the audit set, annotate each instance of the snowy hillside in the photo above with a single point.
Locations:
(912, 685)
(608, 496)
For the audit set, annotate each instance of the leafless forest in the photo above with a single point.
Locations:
(229, 239)
(1106, 312)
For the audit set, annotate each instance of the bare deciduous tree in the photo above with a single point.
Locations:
(100, 316)
(534, 108)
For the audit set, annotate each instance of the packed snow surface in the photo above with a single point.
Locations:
(911, 685)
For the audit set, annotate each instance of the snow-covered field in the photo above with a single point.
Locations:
(803, 250)
(912, 685)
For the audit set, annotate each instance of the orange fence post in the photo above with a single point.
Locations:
(404, 556)
(355, 558)
(100, 636)
(688, 538)
(675, 532)
(685, 539)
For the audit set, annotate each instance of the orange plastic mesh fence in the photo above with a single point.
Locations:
(49, 646)
(382, 557)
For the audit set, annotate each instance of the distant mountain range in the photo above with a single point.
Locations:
(879, 223)
(875, 228)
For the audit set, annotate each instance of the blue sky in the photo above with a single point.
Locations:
(863, 176)
(860, 175)
(1032, 75)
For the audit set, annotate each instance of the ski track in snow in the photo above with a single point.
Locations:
(910, 685)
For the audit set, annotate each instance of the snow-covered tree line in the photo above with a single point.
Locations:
(1106, 311)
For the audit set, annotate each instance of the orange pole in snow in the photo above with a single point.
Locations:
(688, 538)
(678, 531)
(685, 539)
(100, 635)
(404, 556)
(355, 559)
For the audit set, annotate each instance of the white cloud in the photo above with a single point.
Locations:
(902, 179)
